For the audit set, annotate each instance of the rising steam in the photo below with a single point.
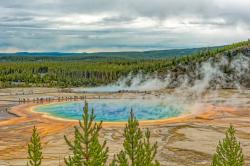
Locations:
(191, 84)
(215, 73)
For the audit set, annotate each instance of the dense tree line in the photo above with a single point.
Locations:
(96, 56)
(94, 73)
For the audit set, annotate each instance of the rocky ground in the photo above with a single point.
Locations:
(184, 142)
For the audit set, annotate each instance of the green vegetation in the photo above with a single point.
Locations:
(229, 152)
(99, 56)
(137, 148)
(72, 73)
(34, 149)
(86, 148)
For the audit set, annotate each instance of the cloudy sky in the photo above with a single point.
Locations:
(118, 25)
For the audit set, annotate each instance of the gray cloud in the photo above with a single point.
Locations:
(96, 25)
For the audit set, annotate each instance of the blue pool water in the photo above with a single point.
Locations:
(113, 110)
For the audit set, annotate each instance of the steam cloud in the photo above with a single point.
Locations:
(225, 72)
(190, 83)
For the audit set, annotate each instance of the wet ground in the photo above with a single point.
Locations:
(188, 141)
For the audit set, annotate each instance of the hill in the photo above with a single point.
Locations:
(75, 73)
(98, 56)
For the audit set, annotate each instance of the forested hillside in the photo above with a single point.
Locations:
(93, 73)
(99, 56)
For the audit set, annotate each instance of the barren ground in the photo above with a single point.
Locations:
(186, 141)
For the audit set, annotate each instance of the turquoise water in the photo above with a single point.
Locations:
(113, 110)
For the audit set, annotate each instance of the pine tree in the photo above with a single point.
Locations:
(148, 152)
(34, 149)
(229, 152)
(86, 148)
(75, 159)
(137, 148)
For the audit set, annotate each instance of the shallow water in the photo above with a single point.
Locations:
(113, 110)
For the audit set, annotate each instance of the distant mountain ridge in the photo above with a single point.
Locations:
(128, 55)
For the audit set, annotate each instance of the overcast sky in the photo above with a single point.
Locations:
(119, 25)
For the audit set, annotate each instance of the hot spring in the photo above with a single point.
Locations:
(115, 110)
